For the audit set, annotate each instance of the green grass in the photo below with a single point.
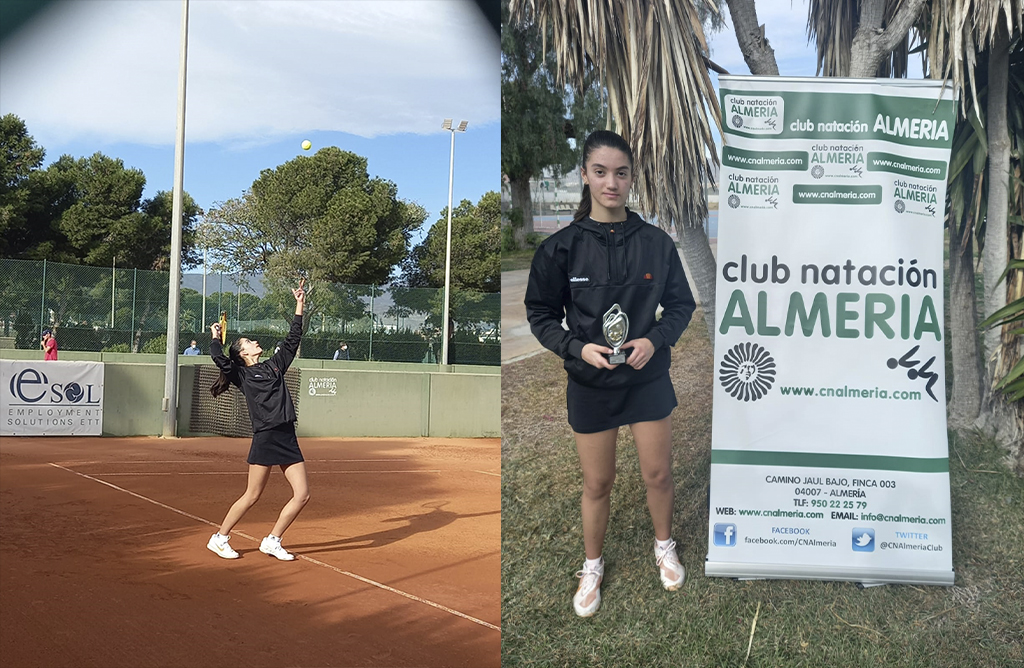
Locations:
(976, 624)
(517, 259)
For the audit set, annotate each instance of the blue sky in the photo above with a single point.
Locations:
(375, 78)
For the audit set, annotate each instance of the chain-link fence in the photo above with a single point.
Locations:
(125, 310)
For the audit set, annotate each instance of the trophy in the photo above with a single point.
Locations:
(615, 328)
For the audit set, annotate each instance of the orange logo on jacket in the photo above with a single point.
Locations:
(648, 276)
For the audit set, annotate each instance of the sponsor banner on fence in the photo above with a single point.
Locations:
(51, 398)
(829, 452)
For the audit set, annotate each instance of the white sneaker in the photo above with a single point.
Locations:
(272, 546)
(219, 545)
(588, 595)
(670, 570)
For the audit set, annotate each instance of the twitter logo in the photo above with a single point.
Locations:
(863, 540)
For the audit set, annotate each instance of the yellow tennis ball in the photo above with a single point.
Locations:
(306, 144)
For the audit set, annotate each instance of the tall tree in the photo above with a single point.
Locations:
(475, 257)
(538, 116)
(19, 157)
(319, 216)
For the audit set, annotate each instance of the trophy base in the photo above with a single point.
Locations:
(617, 358)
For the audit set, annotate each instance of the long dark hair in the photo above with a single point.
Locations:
(599, 139)
(223, 382)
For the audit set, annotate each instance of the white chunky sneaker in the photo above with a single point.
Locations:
(272, 546)
(219, 545)
(670, 570)
(588, 595)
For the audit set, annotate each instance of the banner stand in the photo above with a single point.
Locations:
(829, 449)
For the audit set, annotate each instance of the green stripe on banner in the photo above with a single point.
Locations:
(823, 460)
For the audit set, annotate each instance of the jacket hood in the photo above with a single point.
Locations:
(633, 224)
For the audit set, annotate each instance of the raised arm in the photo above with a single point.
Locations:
(283, 358)
(222, 361)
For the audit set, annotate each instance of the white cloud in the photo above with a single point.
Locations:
(257, 71)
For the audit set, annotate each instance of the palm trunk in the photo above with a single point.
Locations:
(995, 256)
(520, 188)
(871, 43)
(757, 53)
(703, 270)
(965, 397)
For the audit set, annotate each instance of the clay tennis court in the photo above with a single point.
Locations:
(104, 562)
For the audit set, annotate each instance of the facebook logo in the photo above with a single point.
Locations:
(725, 535)
(863, 540)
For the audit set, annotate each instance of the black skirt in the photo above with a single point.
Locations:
(593, 409)
(275, 446)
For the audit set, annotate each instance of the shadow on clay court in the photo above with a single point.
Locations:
(110, 560)
(422, 523)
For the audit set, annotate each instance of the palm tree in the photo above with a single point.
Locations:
(650, 57)
(977, 44)
(967, 42)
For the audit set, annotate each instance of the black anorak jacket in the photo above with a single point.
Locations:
(579, 272)
(262, 384)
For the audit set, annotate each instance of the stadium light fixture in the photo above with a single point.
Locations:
(447, 125)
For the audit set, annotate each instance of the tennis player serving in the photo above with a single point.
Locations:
(273, 425)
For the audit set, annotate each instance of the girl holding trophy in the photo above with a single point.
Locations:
(605, 275)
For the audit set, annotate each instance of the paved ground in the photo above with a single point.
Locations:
(516, 340)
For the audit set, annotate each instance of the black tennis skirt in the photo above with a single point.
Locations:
(275, 446)
(593, 409)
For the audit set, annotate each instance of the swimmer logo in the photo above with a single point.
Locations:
(747, 371)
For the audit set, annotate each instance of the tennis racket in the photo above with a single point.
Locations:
(223, 327)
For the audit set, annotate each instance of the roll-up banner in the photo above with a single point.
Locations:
(51, 398)
(829, 455)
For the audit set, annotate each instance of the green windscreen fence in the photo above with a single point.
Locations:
(227, 414)
(125, 310)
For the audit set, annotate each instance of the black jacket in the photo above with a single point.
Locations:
(580, 271)
(262, 384)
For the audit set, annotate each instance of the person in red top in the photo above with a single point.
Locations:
(49, 345)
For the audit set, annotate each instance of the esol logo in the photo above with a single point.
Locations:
(31, 386)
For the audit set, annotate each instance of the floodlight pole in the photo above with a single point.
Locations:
(448, 243)
(170, 403)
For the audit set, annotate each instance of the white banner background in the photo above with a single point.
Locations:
(52, 398)
(829, 451)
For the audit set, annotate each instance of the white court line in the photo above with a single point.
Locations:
(300, 556)
(205, 461)
(140, 473)
(488, 473)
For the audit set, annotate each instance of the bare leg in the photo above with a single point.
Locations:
(654, 448)
(296, 476)
(258, 476)
(597, 459)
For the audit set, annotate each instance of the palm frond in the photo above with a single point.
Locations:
(650, 57)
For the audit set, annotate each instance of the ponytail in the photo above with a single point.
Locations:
(583, 210)
(223, 382)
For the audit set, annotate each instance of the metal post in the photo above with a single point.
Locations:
(448, 258)
(42, 301)
(238, 306)
(170, 403)
(135, 289)
(113, 282)
(202, 321)
(371, 321)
